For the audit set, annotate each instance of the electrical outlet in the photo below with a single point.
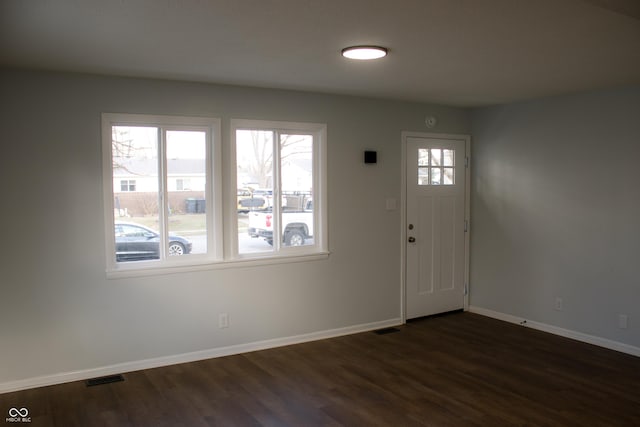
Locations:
(559, 304)
(223, 320)
(623, 321)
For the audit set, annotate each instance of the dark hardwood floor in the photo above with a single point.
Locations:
(456, 370)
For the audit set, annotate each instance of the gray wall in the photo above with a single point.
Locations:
(556, 211)
(59, 313)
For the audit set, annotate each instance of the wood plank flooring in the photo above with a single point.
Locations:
(456, 370)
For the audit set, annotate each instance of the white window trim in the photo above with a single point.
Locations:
(213, 191)
(222, 231)
(128, 186)
(217, 265)
(320, 246)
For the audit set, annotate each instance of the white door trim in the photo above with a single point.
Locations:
(403, 213)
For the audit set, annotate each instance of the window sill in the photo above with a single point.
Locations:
(134, 271)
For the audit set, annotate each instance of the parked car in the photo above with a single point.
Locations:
(297, 225)
(135, 242)
(249, 201)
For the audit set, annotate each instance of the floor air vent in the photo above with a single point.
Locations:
(386, 331)
(104, 380)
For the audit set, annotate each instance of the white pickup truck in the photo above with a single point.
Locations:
(297, 225)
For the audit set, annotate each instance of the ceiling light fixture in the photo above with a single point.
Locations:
(364, 53)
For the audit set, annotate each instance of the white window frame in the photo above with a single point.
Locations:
(319, 133)
(213, 192)
(222, 224)
(180, 184)
(128, 185)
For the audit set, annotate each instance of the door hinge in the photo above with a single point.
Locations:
(466, 226)
(466, 289)
(466, 162)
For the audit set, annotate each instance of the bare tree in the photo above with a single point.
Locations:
(123, 147)
(260, 166)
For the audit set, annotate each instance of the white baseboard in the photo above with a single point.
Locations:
(578, 336)
(190, 357)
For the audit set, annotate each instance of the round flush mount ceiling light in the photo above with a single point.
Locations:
(364, 53)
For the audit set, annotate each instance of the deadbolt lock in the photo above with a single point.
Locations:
(412, 239)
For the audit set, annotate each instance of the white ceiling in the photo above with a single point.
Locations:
(454, 52)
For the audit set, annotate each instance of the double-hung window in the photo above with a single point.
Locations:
(281, 173)
(152, 222)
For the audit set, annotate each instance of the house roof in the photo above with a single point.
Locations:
(149, 167)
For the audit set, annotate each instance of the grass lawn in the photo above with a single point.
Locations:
(180, 224)
(184, 224)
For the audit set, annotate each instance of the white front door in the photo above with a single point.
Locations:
(435, 221)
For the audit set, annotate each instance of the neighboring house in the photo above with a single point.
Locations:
(140, 175)
(135, 185)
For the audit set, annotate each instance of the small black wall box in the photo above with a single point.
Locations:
(370, 157)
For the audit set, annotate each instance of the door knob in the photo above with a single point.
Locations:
(412, 239)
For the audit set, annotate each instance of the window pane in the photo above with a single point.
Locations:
(435, 176)
(186, 216)
(135, 192)
(254, 157)
(127, 185)
(181, 185)
(423, 176)
(436, 157)
(448, 157)
(448, 176)
(423, 157)
(296, 177)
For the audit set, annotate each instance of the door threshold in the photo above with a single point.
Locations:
(433, 316)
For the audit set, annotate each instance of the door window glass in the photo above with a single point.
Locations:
(436, 166)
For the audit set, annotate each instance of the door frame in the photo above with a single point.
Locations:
(403, 212)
